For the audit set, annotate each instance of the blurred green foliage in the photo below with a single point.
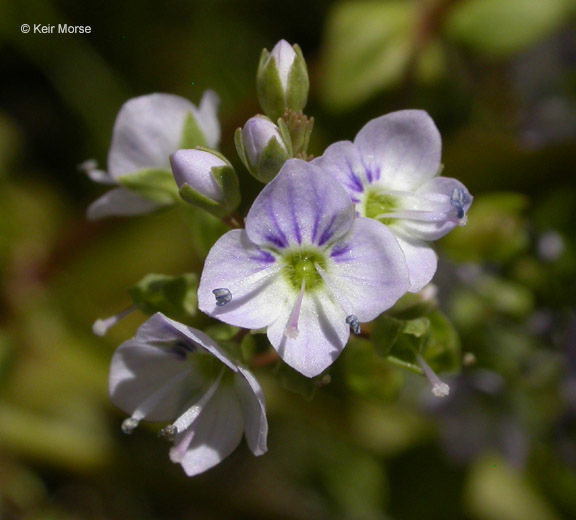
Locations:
(497, 76)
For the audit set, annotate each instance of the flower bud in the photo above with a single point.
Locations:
(282, 80)
(206, 179)
(262, 147)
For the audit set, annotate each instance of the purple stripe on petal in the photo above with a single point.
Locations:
(339, 251)
(263, 257)
(295, 224)
(328, 232)
(317, 215)
(276, 241)
(355, 183)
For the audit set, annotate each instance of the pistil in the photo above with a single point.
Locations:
(292, 327)
(439, 387)
(101, 327)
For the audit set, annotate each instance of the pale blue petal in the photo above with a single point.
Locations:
(214, 434)
(207, 118)
(401, 150)
(323, 334)
(147, 130)
(120, 202)
(421, 260)
(343, 161)
(251, 276)
(302, 205)
(437, 193)
(253, 407)
(368, 270)
(149, 363)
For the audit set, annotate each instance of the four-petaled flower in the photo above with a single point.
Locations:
(391, 174)
(147, 130)
(168, 372)
(304, 268)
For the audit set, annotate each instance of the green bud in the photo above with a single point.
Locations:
(282, 80)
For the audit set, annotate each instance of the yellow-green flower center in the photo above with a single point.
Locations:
(299, 266)
(377, 203)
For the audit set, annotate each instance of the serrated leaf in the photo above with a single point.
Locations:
(501, 28)
(153, 184)
(174, 296)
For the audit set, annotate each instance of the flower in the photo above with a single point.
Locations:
(170, 371)
(391, 173)
(282, 80)
(304, 268)
(147, 130)
(262, 148)
(206, 179)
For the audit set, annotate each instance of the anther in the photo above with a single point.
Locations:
(223, 296)
(129, 425)
(458, 199)
(352, 320)
(168, 432)
(439, 387)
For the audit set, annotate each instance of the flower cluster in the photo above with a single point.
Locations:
(328, 245)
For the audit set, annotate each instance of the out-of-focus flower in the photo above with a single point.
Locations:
(171, 372)
(304, 268)
(262, 148)
(391, 173)
(282, 80)
(147, 130)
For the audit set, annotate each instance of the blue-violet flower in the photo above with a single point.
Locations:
(171, 372)
(304, 268)
(391, 173)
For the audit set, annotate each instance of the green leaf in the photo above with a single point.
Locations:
(295, 381)
(442, 348)
(367, 48)
(192, 134)
(157, 185)
(385, 334)
(501, 28)
(174, 296)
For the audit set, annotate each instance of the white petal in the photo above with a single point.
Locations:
(400, 150)
(214, 435)
(147, 130)
(421, 260)
(322, 334)
(207, 117)
(254, 409)
(251, 276)
(120, 202)
(368, 270)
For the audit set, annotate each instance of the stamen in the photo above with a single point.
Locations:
(416, 214)
(129, 425)
(292, 327)
(223, 296)
(458, 199)
(90, 168)
(352, 320)
(187, 418)
(151, 402)
(101, 327)
(439, 387)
